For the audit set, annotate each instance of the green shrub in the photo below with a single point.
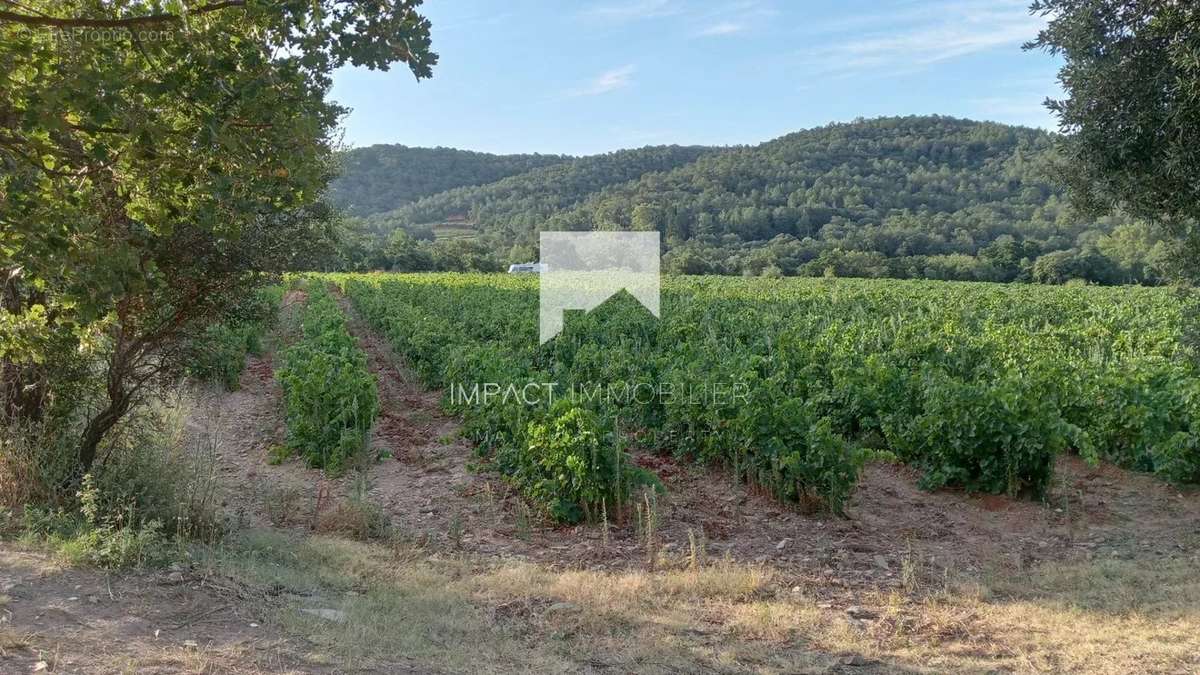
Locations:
(278, 454)
(218, 353)
(1178, 458)
(999, 436)
(1146, 418)
(153, 478)
(36, 461)
(572, 467)
(94, 536)
(695, 423)
(798, 458)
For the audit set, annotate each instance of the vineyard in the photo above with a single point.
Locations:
(790, 385)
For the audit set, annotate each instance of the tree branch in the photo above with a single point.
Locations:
(129, 22)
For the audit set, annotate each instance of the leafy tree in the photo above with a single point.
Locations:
(1011, 258)
(1131, 113)
(1088, 265)
(849, 264)
(406, 254)
(645, 218)
(688, 260)
(155, 159)
(465, 255)
(1138, 251)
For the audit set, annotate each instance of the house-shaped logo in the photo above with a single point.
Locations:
(580, 270)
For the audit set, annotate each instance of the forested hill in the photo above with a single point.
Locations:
(912, 191)
(908, 197)
(915, 181)
(520, 204)
(384, 177)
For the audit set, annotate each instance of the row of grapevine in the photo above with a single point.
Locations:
(565, 458)
(218, 353)
(979, 385)
(330, 395)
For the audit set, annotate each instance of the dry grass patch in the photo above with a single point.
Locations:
(400, 604)
(371, 603)
(1107, 617)
(11, 640)
(1115, 616)
(613, 591)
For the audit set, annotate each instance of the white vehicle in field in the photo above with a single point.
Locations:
(527, 268)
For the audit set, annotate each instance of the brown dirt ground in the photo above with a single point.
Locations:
(173, 621)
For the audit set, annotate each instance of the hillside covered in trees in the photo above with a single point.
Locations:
(384, 177)
(911, 197)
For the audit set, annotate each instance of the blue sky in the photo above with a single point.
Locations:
(587, 77)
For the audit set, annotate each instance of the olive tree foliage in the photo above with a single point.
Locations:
(1131, 115)
(157, 159)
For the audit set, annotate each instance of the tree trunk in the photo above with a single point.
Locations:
(120, 397)
(96, 429)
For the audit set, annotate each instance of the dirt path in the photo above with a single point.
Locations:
(244, 426)
(1093, 513)
(426, 487)
(174, 621)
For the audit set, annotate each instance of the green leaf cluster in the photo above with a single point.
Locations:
(218, 353)
(330, 396)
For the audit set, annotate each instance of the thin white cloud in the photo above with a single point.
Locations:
(1025, 110)
(1019, 101)
(611, 80)
(722, 28)
(909, 39)
(724, 18)
(634, 10)
(731, 18)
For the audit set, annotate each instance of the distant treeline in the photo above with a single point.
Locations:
(384, 177)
